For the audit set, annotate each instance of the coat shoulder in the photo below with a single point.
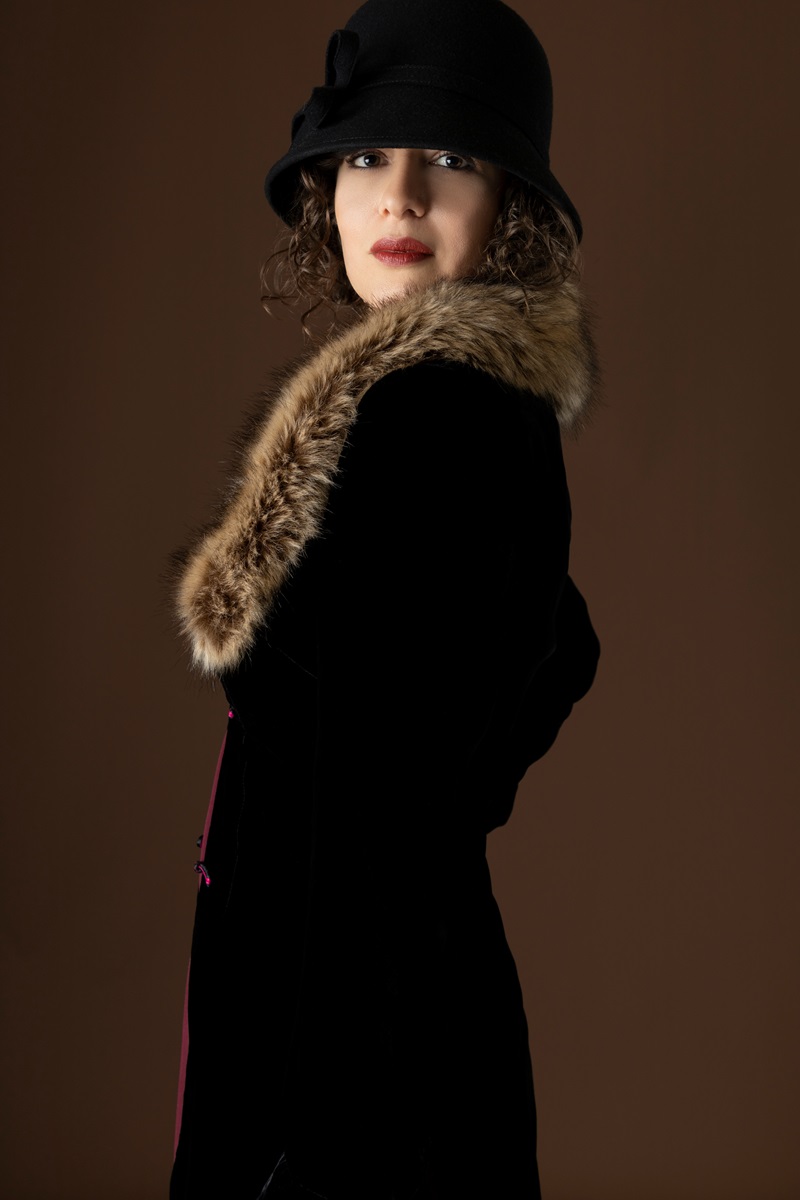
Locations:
(450, 419)
(443, 402)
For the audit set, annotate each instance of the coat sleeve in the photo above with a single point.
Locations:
(446, 550)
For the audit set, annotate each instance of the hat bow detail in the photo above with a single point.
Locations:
(340, 61)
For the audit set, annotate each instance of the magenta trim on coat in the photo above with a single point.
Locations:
(185, 1029)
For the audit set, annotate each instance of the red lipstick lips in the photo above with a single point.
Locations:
(400, 252)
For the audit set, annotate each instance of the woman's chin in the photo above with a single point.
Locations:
(395, 289)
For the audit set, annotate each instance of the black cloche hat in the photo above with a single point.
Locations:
(463, 75)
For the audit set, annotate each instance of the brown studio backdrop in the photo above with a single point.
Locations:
(648, 875)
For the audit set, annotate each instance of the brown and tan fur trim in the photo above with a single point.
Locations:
(539, 342)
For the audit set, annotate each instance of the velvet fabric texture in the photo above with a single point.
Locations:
(353, 1004)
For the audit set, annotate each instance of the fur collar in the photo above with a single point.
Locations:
(229, 580)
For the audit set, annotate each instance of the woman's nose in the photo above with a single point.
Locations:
(405, 188)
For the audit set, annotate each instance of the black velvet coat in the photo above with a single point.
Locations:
(387, 602)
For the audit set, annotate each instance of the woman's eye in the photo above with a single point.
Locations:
(456, 162)
(366, 158)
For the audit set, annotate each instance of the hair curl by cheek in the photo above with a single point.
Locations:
(307, 262)
(533, 244)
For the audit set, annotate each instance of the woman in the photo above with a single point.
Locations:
(385, 598)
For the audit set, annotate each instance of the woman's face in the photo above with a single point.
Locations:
(408, 217)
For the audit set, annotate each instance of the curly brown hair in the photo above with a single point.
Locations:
(533, 244)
